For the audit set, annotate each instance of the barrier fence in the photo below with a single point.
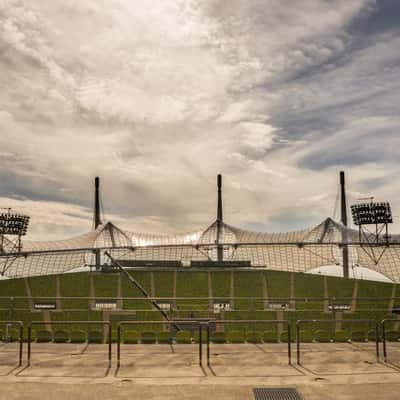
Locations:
(21, 336)
(333, 321)
(204, 326)
(254, 322)
(199, 325)
(88, 323)
(384, 338)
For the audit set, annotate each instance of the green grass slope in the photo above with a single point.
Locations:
(248, 284)
(13, 288)
(129, 290)
(74, 285)
(307, 287)
(106, 285)
(278, 283)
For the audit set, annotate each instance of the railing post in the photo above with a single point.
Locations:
(289, 343)
(208, 343)
(109, 344)
(119, 345)
(21, 341)
(384, 341)
(377, 340)
(200, 346)
(298, 341)
(29, 344)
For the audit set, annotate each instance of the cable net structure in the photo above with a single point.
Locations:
(296, 251)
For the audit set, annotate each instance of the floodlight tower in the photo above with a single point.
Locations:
(343, 218)
(374, 243)
(377, 214)
(220, 248)
(12, 227)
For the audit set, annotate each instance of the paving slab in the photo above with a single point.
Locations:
(250, 361)
(329, 371)
(9, 357)
(393, 353)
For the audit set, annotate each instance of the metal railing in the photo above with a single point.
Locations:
(88, 323)
(334, 321)
(21, 337)
(251, 321)
(384, 340)
(198, 324)
(204, 326)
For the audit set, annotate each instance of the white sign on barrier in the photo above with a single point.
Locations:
(218, 307)
(106, 305)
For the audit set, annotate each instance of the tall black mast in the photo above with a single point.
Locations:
(97, 217)
(220, 249)
(343, 218)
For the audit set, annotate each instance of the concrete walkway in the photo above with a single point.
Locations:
(328, 371)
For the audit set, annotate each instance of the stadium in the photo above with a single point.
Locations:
(213, 292)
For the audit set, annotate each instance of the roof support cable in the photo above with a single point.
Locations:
(116, 264)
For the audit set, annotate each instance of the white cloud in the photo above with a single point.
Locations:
(158, 97)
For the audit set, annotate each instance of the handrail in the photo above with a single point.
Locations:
(334, 321)
(21, 337)
(383, 322)
(256, 321)
(199, 324)
(103, 323)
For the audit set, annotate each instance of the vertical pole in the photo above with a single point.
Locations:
(29, 344)
(21, 340)
(345, 247)
(220, 249)
(386, 234)
(97, 217)
(289, 343)
(377, 341)
(208, 343)
(109, 344)
(10, 315)
(298, 342)
(200, 346)
(384, 341)
(119, 346)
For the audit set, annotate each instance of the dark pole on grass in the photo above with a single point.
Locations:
(21, 339)
(384, 341)
(208, 344)
(377, 340)
(298, 341)
(119, 345)
(109, 344)
(200, 345)
(289, 343)
(29, 344)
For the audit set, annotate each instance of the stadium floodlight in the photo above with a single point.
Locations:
(371, 213)
(13, 224)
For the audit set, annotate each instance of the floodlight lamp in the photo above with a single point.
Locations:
(13, 224)
(371, 213)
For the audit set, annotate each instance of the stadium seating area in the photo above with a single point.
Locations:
(252, 295)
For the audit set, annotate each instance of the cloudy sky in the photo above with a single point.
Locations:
(157, 97)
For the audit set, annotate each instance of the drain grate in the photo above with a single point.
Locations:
(276, 394)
